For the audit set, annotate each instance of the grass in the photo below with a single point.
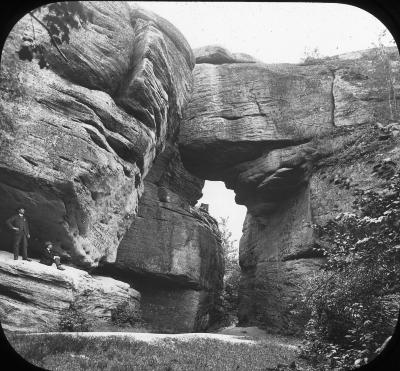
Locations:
(66, 352)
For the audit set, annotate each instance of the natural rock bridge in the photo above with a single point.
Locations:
(109, 153)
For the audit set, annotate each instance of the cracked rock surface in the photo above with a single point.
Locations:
(34, 296)
(262, 129)
(172, 251)
(77, 139)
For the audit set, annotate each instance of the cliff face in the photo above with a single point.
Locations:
(172, 250)
(267, 131)
(80, 143)
(77, 139)
(108, 153)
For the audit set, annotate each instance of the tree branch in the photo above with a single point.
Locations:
(51, 36)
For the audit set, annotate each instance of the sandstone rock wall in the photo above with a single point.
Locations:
(82, 141)
(176, 246)
(266, 131)
(77, 139)
(33, 296)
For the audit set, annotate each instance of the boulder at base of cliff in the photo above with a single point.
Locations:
(36, 297)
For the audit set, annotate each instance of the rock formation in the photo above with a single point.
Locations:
(109, 151)
(77, 139)
(172, 251)
(264, 130)
(34, 297)
(216, 54)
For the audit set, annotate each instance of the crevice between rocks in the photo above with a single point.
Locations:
(232, 118)
(255, 100)
(332, 71)
(8, 292)
(29, 160)
(138, 278)
(306, 254)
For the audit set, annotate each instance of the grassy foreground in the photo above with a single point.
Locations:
(71, 352)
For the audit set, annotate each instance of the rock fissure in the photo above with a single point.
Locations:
(332, 71)
(30, 161)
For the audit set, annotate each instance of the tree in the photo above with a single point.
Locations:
(312, 56)
(57, 19)
(231, 276)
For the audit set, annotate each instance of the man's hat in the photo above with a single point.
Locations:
(19, 207)
(48, 243)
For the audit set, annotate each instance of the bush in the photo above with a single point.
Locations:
(354, 300)
(72, 319)
(229, 296)
(125, 314)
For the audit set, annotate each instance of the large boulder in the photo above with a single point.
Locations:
(77, 139)
(36, 297)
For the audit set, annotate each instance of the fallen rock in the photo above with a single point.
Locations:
(33, 296)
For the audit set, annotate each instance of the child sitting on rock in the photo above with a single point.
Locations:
(49, 258)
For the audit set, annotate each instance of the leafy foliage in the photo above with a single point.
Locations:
(232, 275)
(58, 20)
(72, 319)
(312, 56)
(63, 16)
(125, 314)
(354, 299)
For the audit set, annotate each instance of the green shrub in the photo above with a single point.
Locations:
(354, 299)
(72, 319)
(229, 296)
(125, 313)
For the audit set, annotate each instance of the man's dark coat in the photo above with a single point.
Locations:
(19, 222)
(47, 257)
(20, 235)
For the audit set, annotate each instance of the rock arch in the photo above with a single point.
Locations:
(263, 129)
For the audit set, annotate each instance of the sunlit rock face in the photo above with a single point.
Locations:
(265, 130)
(172, 251)
(77, 139)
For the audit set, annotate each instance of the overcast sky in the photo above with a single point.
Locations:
(273, 33)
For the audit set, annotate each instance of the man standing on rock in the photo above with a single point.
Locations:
(19, 224)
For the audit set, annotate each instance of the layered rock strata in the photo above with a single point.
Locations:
(262, 129)
(78, 138)
(173, 250)
(35, 297)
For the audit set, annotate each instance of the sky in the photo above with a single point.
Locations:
(272, 33)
